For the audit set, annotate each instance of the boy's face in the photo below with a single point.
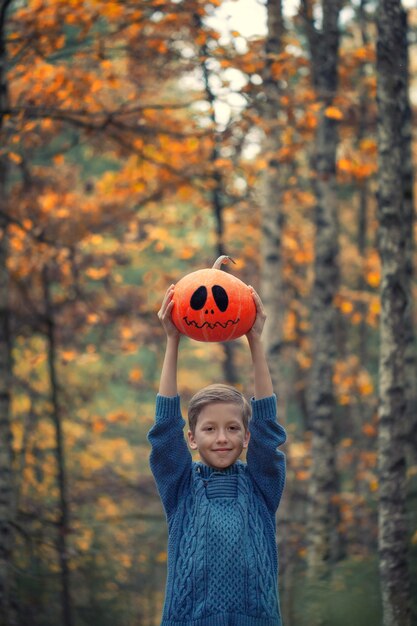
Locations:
(219, 435)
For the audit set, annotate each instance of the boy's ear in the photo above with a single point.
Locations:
(191, 440)
(246, 439)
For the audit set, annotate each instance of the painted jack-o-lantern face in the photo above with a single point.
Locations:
(211, 305)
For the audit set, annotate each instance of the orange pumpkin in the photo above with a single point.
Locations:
(212, 305)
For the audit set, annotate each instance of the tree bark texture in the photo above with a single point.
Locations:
(408, 208)
(272, 213)
(272, 283)
(362, 235)
(393, 537)
(8, 609)
(7, 495)
(63, 516)
(323, 485)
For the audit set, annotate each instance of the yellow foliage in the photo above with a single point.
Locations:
(290, 324)
(48, 201)
(16, 158)
(368, 146)
(118, 416)
(45, 434)
(89, 463)
(68, 355)
(187, 252)
(303, 360)
(365, 384)
(93, 318)
(369, 430)
(351, 380)
(373, 278)
(106, 507)
(73, 431)
(125, 560)
(99, 426)
(412, 471)
(346, 306)
(345, 165)
(375, 306)
(302, 474)
(161, 557)
(344, 399)
(297, 450)
(126, 332)
(97, 273)
(334, 113)
(83, 539)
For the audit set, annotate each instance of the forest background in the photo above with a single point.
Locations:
(141, 139)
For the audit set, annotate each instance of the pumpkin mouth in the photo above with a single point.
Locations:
(209, 325)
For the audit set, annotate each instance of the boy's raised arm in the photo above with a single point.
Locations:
(168, 382)
(262, 376)
(266, 463)
(170, 459)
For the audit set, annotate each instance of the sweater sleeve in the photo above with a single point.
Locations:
(170, 459)
(266, 464)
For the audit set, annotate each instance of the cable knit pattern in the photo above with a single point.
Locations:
(222, 556)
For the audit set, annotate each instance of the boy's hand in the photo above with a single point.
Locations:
(257, 328)
(164, 314)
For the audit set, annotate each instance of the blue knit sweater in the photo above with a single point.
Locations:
(222, 554)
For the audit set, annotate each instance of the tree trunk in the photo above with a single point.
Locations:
(323, 486)
(8, 610)
(408, 207)
(63, 517)
(392, 537)
(362, 236)
(272, 214)
(272, 284)
(7, 493)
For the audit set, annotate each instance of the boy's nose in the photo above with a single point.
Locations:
(221, 436)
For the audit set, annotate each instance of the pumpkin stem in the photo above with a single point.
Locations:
(222, 259)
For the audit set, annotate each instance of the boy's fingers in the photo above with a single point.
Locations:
(166, 302)
(168, 296)
(257, 298)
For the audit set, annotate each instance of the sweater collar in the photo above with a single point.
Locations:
(205, 471)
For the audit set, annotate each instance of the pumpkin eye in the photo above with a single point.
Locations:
(198, 299)
(220, 297)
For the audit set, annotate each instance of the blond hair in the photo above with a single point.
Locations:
(217, 393)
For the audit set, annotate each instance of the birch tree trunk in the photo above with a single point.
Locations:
(322, 516)
(392, 538)
(63, 516)
(272, 284)
(272, 215)
(8, 610)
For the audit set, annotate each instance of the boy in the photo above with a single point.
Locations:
(222, 556)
